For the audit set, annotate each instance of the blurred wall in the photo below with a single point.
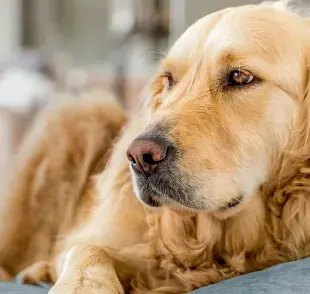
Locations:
(10, 29)
(77, 26)
(196, 9)
(82, 26)
(186, 12)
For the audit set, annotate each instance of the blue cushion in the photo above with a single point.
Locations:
(286, 278)
(14, 288)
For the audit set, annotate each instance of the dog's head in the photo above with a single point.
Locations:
(225, 103)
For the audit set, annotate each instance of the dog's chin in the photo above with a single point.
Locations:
(156, 202)
(150, 201)
(156, 199)
(153, 198)
(156, 192)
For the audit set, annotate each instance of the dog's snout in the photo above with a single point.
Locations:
(146, 153)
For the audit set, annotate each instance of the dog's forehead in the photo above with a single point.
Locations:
(246, 27)
(262, 28)
(190, 41)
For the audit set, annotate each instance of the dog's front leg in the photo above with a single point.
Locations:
(87, 269)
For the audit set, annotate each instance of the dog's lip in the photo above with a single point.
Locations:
(151, 201)
(232, 204)
(156, 197)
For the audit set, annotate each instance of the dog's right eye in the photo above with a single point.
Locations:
(169, 80)
(240, 78)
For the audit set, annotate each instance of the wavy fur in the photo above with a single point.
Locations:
(108, 242)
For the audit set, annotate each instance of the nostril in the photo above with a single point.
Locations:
(145, 154)
(131, 158)
(148, 158)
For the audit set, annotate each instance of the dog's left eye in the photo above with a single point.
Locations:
(240, 78)
(169, 80)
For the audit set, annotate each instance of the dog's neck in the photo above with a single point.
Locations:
(272, 227)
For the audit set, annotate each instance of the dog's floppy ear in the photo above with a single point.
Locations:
(300, 7)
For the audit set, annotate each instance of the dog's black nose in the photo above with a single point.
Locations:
(146, 153)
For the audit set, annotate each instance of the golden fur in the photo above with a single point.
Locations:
(93, 236)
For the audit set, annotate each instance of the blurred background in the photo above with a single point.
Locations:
(54, 46)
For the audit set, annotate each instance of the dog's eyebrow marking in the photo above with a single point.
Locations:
(228, 56)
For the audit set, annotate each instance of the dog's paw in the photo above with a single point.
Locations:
(40, 273)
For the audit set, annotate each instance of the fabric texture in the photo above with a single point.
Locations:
(287, 278)
(14, 288)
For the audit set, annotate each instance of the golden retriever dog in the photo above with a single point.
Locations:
(209, 180)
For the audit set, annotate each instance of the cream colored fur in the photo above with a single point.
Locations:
(90, 234)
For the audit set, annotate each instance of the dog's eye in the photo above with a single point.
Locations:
(240, 78)
(169, 80)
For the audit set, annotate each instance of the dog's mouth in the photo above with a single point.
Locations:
(158, 195)
(232, 204)
(158, 190)
(157, 199)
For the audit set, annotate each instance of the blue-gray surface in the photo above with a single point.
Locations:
(288, 278)
(14, 288)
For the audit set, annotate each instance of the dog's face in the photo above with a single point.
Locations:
(224, 103)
